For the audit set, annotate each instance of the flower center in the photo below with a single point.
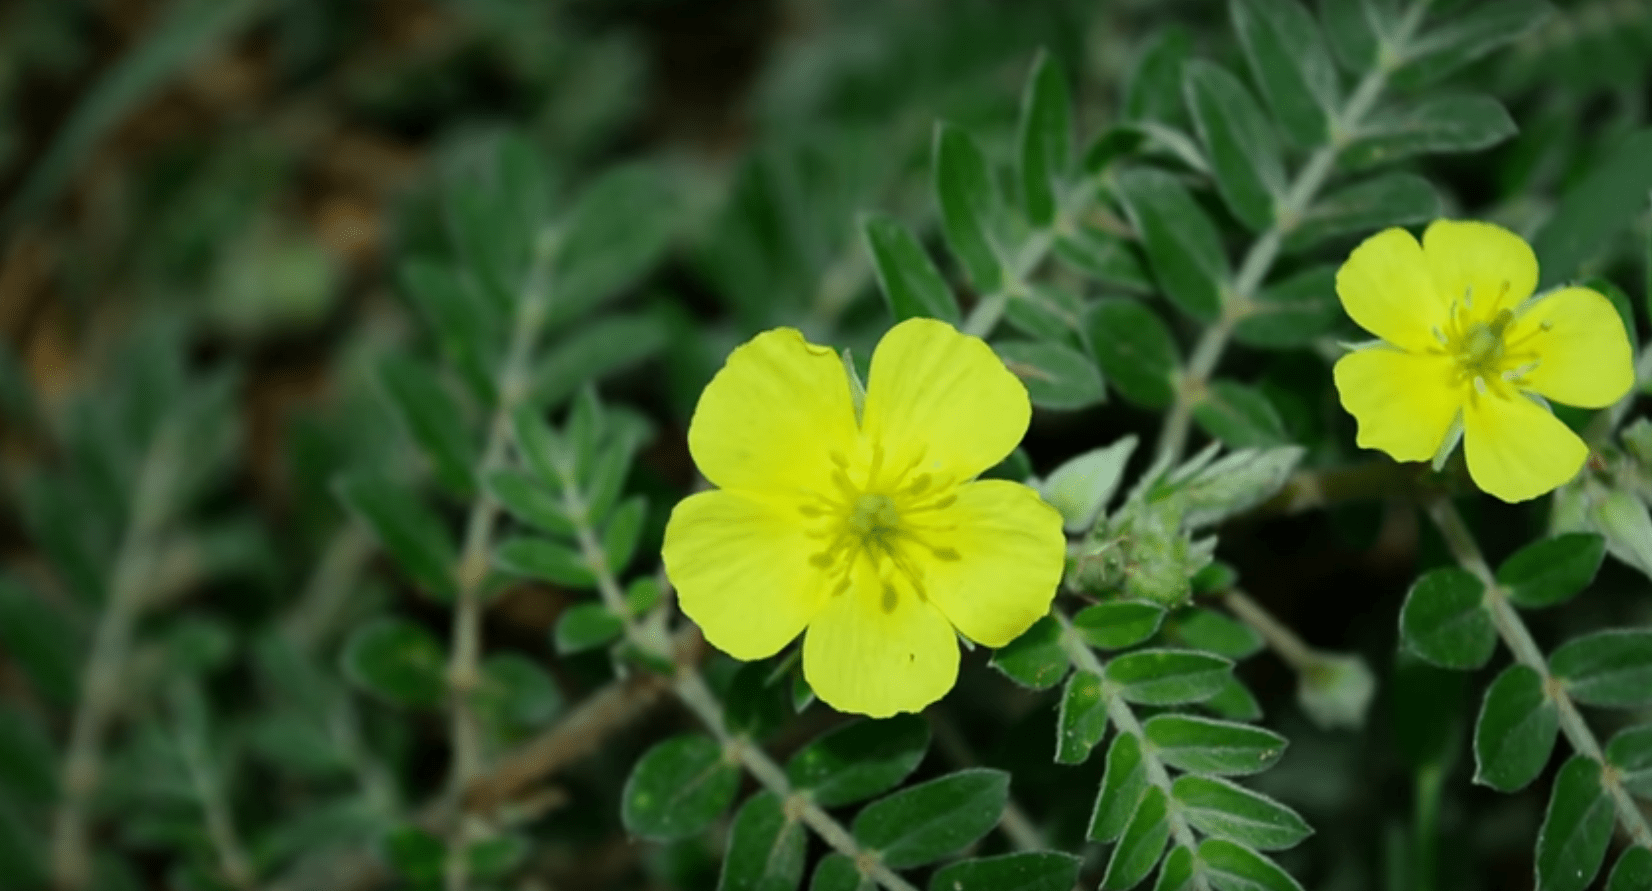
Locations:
(888, 519)
(1485, 356)
(1480, 347)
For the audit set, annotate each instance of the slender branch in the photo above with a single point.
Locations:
(1124, 720)
(1239, 301)
(986, 313)
(1512, 629)
(694, 693)
(464, 671)
(232, 857)
(1276, 634)
(106, 664)
(330, 585)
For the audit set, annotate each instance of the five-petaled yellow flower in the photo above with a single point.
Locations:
(872, 531)
(1466, 353)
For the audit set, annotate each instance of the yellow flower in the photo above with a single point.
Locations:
(1465, 353)
(870, 532)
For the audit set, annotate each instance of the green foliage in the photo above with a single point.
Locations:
(1516, 731)
(1572, 840)
(860, 760)
(678, 788)
(930, 820)
(1446, 622)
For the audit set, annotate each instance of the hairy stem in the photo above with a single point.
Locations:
(226, 842)
(464, 662)
(1276, 634)
(1238, 301)
(1124, 721)
(100, 680)
(1512, 629)
(330, 586)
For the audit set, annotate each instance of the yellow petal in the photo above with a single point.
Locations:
(1386, 288)
(1517, 449)
(1404, 402)
(742, 573)
(773, 416)
(878, 648)
(1010, 554)
(1491, 264)
(942, 402)
(1583, 353)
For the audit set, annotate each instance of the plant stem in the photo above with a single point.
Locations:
(464, 663)
(1238, 301)
(232, 857)
(330, 586)
(1279, 637)
(1512, 629)
(106, 663)
(1124, 721)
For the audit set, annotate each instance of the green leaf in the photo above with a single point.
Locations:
(550, 561)
(678, 788)
(757, 700)
(619, 540)
(1105, 257)
(1633, 872)
(1601, 203)
(1057, 376)
(1045, 312)
(586, 626)
(1240, 416)
(1571, 844)
(923, 823)
(1025, 871)
(1607, 668)
(595, 350)
(1046, 139)
(1433, 125)
(1082, 719)
(1084, 483)
(857, 761)
(1116, 624)
(298, 744)
(414, 854)
(1141, 845)
(1176, 872)
(1630, 751)
(1387, 199)
(28, 762)
(1168, 677)
(1234, 702)
(432, 418)
(969, 205)
(614, 233)
(1234, 867)
(406, 528)
(1552, 571)
(1516, 730)
(1208, 746)
(397, 661)
(1290, 63)
(1466, 37)
(836, 872)
(1208, 630)
(766, 848)
(39, 639)
(1292, 312)
(1155, 85)
(1221, 809)
(909, 280)
(516, 694)
(1035, 659)
(491, 859)
(468, 328)
(1445, 620)
(1123, 783)
(1182, 243)
(1239, 140)
(1352, 30)
(529, 500)
(1135, 350)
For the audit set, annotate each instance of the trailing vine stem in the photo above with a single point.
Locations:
(101, 679)
(1124, 720)
(464, 662)
(1239, 298)
(1512, 629)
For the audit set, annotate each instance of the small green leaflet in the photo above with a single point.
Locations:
(1234, 867)
(1552, 571)
(1630, 751)
(1182, 243)
(1035, 659)
(678, 788)
(908, 278)
(1208, 746)
(1025, 871)
(1446, 622)
(1222, 809)
(1135, 350)
(1122, 785)
(1607, 668)
(1141, 845)
(859, 760)
(766, 848)
(1572, 842)
(923, 823)
(1116, 624)
(1082, 720)
(1168, 677)
(398, 661)
(1516, 730)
